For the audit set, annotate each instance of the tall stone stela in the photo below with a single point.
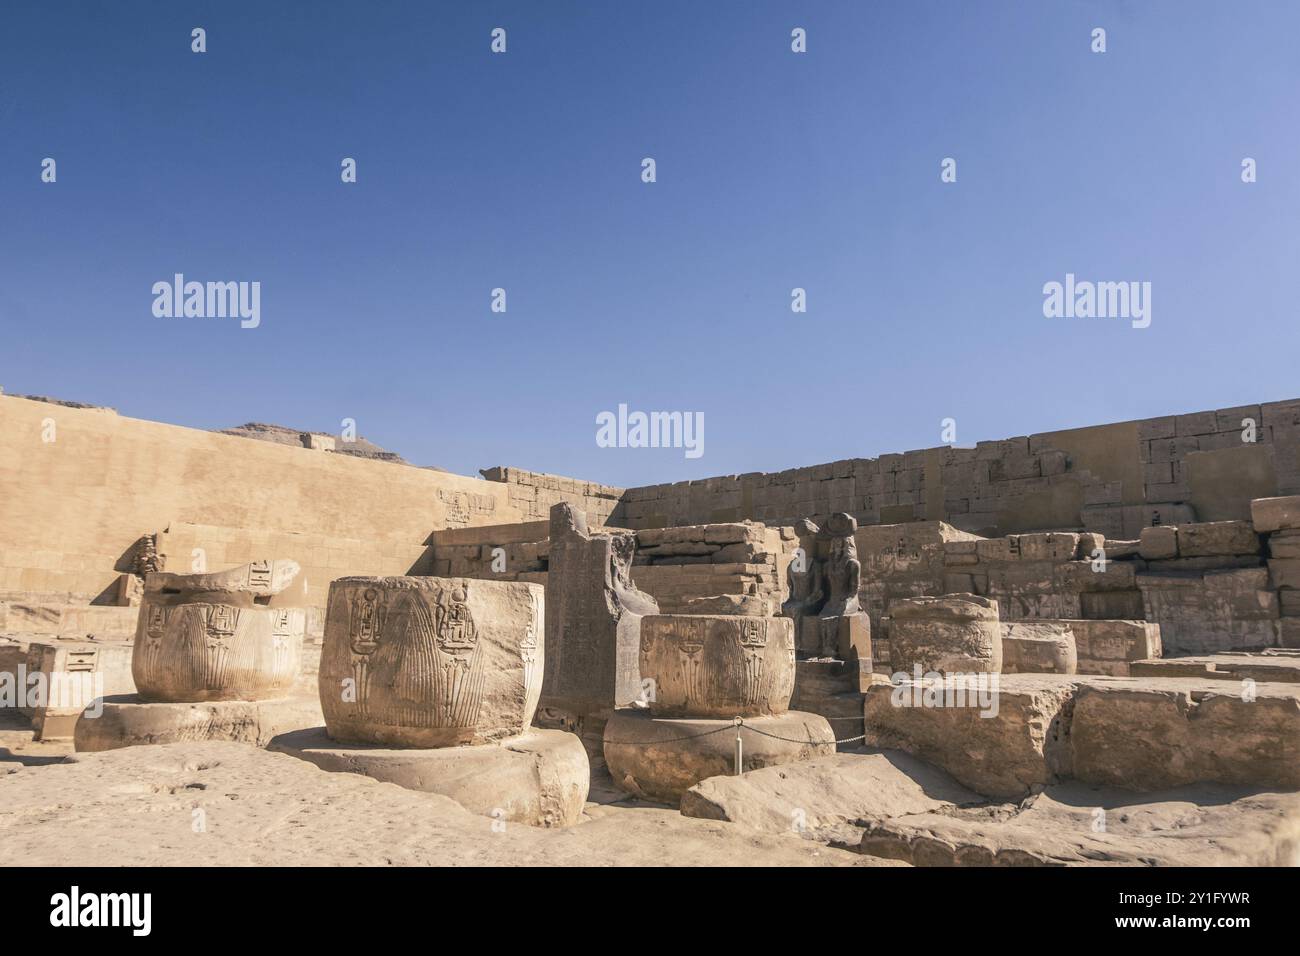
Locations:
(593, 617)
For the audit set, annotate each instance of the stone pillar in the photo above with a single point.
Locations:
(216, 657)
(702, 672)
(431, 662)
(593, 617)
(432, 684)
(716, 666)
(229, 635)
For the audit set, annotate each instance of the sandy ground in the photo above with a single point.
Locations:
(220, 803)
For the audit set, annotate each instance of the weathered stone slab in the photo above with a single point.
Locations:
(1014, 743)
(1269, 666)
(1209, 538)
(1167, 733)
(1038, 648)
(829, 799)
(1216, 611)
(593, 617)
(1135, 733)
(1275, 514)
(888, 804)
(717, 666)
(1049, 546)
(952, 633)
(1074, 825)
(660, 759)
(431, 662)
(1112, 605)
(540, 778)
(130, 722)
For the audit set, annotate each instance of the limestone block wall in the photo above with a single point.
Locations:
(1204, 584)
(902, 561)
(1279, 520)
(742, 565)
(79, 486)
(1046, 575)
(1112, 479)
(532, 494)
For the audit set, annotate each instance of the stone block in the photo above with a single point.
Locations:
(593, 617)
(1134, 733)
(1108, 605)
(956, 633)
(1110, 646)
(1167, 733)
(1275, 514)
(1284, 572)
(431, 662)
(660, 759)
(1284, 544)
(1158, 542)
(539, 778)
(1203, 539)
(717, 666)
(1006, 741)
(1038, 648)
(1049, 546)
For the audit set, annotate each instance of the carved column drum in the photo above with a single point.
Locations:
(431, 662)
(717, 666)
(230, 635)
(951, 634)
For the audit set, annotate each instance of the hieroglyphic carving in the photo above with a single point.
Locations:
(202, 637)
(436, 661)
(529, 648)
(718, 666)
(461, 506)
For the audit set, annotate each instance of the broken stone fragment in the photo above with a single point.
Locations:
(228, 635)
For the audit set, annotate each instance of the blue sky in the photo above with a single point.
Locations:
(775, 170)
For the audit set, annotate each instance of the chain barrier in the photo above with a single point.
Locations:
(736, 724)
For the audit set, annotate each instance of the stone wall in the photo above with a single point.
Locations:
(533, 493)
(739, 567)
(79, 487)
(1113, 479)
(1046, 575)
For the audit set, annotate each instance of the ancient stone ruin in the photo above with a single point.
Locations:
(432, 684)
(718, 695)
(216, 656)
(956, 656)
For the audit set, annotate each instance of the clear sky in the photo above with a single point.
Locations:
(775, 170)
